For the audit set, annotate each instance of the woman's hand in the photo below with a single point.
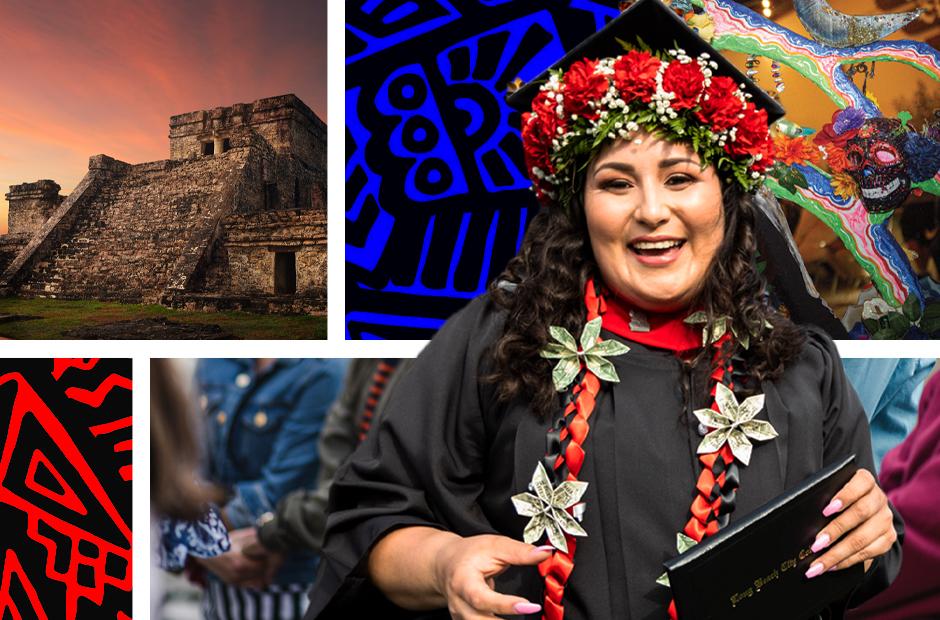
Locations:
(422, 568)
(465, 571)
(863, 531)
(242, 565)
(236, 569)
(246, 541)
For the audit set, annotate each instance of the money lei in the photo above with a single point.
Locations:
(593, 353)
(548, 509)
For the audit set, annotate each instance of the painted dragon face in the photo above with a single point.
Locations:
(878, 164)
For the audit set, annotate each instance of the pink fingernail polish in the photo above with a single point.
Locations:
(544, 548)
(814, 571)
(822, 541)
(526, 608)
(833, 507)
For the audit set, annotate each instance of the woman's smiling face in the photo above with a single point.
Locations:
(655, 220)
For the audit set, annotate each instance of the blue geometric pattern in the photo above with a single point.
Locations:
(406, 98)
(437, 197)
(463, 65)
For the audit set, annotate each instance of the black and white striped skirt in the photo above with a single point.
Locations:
(276, 602)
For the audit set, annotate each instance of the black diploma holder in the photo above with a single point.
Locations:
(756, 567)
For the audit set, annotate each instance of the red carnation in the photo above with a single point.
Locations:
(829, 135)
(766, 150)
(583, 87)
(720, 106)
(536, 144)
(752, 136)
(635, 76)
(685, 80)
(543, 107)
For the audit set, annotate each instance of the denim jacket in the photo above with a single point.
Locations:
(890, 390)
(262, 436)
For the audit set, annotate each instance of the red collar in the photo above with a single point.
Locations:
(666, 330)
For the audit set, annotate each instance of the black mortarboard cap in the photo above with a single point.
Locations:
(660, 28)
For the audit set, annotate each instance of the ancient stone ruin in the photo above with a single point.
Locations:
(235, 219)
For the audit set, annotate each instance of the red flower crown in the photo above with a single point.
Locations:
(678, 99)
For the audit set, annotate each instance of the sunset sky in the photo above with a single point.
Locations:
(81, 77)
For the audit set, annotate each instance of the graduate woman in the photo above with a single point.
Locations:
(625, 381)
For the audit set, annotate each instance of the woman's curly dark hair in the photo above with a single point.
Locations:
(546, 282)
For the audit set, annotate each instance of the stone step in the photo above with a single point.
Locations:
(110, 228)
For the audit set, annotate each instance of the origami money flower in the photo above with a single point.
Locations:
(734, 423)
(548, 509)
(683, 544)
(594, 353)
(723, 324)
(713, 333)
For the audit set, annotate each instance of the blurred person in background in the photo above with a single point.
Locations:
(910, 475)
(299, 520)
(183, 523)
(889, 389)
(263, 419)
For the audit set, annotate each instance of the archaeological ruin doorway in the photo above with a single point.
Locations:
(285, 273)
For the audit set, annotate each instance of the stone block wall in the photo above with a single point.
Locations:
(291, 128)
(10, 247)
(58, 227)
(128, 239)
(251, 270)
(293, 186)
(197, 230)
(285, 122)
(311, 269)
(296, 177)
(260, 169)
(31, 204)
(245, 261)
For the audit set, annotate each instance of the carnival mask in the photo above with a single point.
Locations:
(878, 163)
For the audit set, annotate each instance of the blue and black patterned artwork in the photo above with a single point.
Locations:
(437, 199)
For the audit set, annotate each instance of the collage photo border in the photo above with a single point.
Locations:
(335, 346)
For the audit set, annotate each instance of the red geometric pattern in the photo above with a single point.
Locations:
(12, 568)
(65, 495)
(77, 543)
(60, 365)
(96, 397)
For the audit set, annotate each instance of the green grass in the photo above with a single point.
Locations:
(59, 316)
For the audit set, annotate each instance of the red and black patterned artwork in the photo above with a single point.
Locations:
(65, 489)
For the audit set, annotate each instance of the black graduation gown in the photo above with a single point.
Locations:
(446, 455)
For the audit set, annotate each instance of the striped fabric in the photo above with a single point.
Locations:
(276, 602)
(383, 371)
